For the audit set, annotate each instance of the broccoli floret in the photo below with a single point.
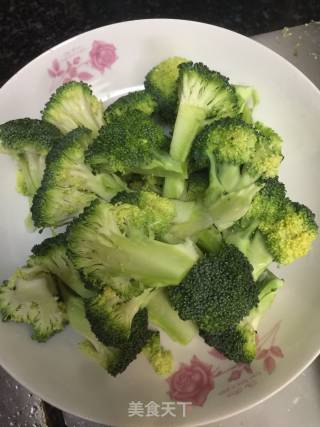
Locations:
(68, 184)
(160, 359)
(162, 83)
(203, 94)
(28, 142)
(142, 101)
(274, 229)
(217, 292)
(232, 148)
(151, 183)
(73, 105)
(197, 185)
(209, 240)
(51, 256)
(132, 143)
(238, 342)
(114, 360)
(162, 315)
(117, 240)
(248, 98)
(31, 296)
(111, 316)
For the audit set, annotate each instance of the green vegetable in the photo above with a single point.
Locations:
(203, 94)
(218, 291)
(162, 83)
(51, 256)
(28, 142)
(73, 105)
(163, 316)
(117, 240)
(123, 106)
(132, 143)
(238, 342)
(160, 359)
(68, 184)
(31, 296)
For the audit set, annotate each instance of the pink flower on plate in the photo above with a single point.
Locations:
(192, 383)
(215, 353)
(102, 55)
(238, 369)
(269, 357)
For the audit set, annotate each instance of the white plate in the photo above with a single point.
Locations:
(115, 59)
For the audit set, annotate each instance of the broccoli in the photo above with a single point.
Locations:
(238, 342)
(138, 182)
(160, 359)
(68, 184)
(274, 229)
(111, 317)
(237, 160)
(31, 296)
(51, 256)
(132, 143)
(74, 105)
(203, 94)
(197, 185)
(162, 315)
(248, 98)
(162, 83)
(217, 292)
(209, 240)
(117, 240)
(28, 142)
(142, 101)
(114, 360)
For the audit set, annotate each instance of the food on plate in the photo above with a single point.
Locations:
(166, 211)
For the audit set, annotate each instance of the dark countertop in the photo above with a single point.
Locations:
(28, 28)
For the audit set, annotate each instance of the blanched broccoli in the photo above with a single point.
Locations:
(210, 240)
(114, 360)
(162, 83)
(248, 98)
(238, 342)
(162, 315)
(160, 359)
(108, 240)
(111, 317)
(274, 229)
(28, 142)
(74, 105)
(68, 184)
(31, 296)
(217, 292)
(132, 143)
(238, 158)
(51, 256)
(203, 94)
(142, 101)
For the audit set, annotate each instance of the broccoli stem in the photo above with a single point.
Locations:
(188, 123)
(31, 166)
(162, 165)
(162, 314)
(209, 240)
(229, 175)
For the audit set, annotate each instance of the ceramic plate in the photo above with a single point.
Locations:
(114, 60)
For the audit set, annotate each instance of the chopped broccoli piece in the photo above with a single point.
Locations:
(28, 142)
(248, 98)
(111, 317)
(160, 359)
(117, 240)
(74, 105)
(238, 342)
(237, 162)
(51, 256)
(274, 229)
(203, 94)
(218, 291)
(162, 83)
(210, 240)
(162, 315)
(132, 143)
(31, 296)
(68, 184)
(142, 101)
